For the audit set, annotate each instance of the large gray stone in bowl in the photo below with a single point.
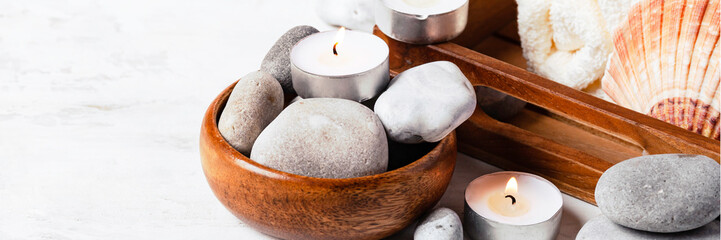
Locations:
(325, 138)
(426, 103)
(661, 193)
(600, 228)
(277, 60)
(440, 224)
(255, 101)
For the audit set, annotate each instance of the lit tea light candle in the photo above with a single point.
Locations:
(512, 205)
(340, 64)
(508, 203)
(422, 21)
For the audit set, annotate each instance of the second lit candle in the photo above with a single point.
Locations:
(512, 205)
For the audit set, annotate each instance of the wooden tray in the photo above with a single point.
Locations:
(564, 135)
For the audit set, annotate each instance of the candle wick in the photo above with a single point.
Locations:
(334, 51)
(513, 200)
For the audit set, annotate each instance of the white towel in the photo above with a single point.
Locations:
(568, 41)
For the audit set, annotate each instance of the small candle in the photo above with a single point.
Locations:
(509, 203)
(424, 7)
(512, 205)
(340, 64)
(422, 21)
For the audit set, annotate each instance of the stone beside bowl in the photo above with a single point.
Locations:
(291, 206)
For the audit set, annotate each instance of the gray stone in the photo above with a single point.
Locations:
(661, 193)
(441, 224)
(498, 105)
(353, 14)
(277, 60)
(426, 103)
(326, 138)
(255, 101)
(600, 228)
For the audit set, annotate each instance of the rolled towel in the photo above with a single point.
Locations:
(569, 41)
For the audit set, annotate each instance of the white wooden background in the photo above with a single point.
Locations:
(100, 110)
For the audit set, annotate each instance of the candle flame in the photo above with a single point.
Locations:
(511, 186)
(338, 39)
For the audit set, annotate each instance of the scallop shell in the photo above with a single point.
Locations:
(665, 63)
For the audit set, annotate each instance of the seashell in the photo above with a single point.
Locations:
(665, 63)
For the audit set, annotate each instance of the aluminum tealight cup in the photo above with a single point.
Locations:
(421, 28)
(358, 71)
(481, 227)
(357, 87)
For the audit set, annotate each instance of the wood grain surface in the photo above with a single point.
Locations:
(571, 155)
(484, 18)
(297, 207)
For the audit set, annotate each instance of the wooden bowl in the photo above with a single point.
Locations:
(291, 206)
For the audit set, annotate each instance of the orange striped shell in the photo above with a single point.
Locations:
(665, 63)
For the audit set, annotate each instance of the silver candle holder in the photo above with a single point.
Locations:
(546, 227)
(358, 86)
(421, 28)
(358, 70)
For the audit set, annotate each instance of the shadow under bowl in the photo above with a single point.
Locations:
(291, 206)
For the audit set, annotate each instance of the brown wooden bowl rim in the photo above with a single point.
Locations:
(211, 128)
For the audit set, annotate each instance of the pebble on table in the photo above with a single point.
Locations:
(440, 224)
(661, 193)
(600, 228)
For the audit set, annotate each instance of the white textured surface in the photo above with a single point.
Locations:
(100, 109)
